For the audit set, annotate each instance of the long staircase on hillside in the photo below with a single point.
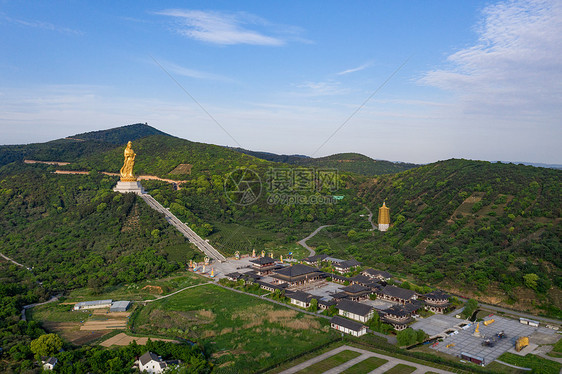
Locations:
(203, 246)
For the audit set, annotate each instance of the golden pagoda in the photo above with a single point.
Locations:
(384, 217)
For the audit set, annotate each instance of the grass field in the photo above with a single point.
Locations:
(538, 364)
(401, 369)
(229, 238)
(241, 333)
(330, 362)
(145, 290)
(365, 366)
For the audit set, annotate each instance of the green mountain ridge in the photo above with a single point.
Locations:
(467, 226)
(346, 162)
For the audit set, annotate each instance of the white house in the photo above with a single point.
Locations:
(347, 326)
(49, 364)
(151, 363)
(357, 311)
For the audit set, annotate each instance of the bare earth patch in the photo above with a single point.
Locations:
(124, 339)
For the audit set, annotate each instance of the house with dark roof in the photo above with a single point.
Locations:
(49, 363)
(271, 287)
(298, 274)
(325, 304)
(397, 294)
(314, 260)
(399, 316)
(151, 363)
(264, 265)
(381, 275)
(299, 298)
(357, 311)
(346, 266)
(336, 278)
(437, 301)
(357, 292)
(347, 326)
(235, 276)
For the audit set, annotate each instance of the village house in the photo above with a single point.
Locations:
(380, 275)
(299, 298)
(49, 363)
(357, 311)
(347, 326)
(397, 294)
(437, 301)
(399, 316)
(315, 260)
(346, 266)
(151, 363)
(298, 274)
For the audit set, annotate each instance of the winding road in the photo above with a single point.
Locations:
(9, 259)
(303, 241)
(370, 218)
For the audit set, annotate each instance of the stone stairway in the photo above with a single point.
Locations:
(203, 246)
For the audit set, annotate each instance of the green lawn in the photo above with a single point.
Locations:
(242, 333)
(556, 350)
(55, 312)
(365, 366)
(229, 238)
(145, 290)
(401, 369)
(538, 364)
(330, 362)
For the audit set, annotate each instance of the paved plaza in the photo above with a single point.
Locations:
(438, 324)
(465, 341)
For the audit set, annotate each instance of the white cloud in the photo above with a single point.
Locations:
(221, 28)
(515, 68)
(40, 25)
(353, 70)
(192, 73)
(320, 89)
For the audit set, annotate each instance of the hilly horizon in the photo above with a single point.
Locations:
(429, 204)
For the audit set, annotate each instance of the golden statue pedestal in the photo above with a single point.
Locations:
(126, 187)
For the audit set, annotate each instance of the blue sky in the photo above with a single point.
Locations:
(471, 79)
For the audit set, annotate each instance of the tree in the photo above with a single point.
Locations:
(469, 308)
(531, 280)
(46, 345)
(313, 305)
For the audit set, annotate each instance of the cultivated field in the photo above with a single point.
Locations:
(242, 333)
(124, 339)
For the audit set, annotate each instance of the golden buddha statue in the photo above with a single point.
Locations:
(127, 169)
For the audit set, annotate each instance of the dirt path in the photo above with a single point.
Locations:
(370, 217)
(173, 293)
(26, 307)
(12, 261)
(140, 177)
(303, 241)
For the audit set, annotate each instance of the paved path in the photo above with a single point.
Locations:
(370, 218)
(392, 361)
(519, 314)
(175, 292)
(513, 366)
(203, 245)
(26, 307)
(9, 259)
(303, 241)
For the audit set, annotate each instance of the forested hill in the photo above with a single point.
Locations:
(77, 146)
(472, 225)
(347, 162)
(120, 135)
